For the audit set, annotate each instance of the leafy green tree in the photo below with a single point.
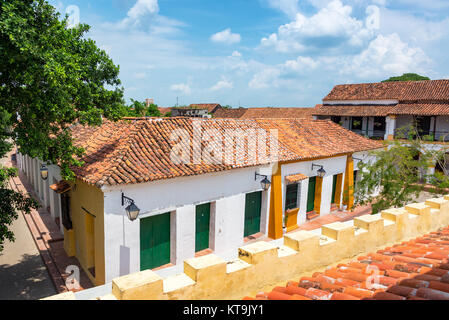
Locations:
(407, 77)
(140, 109)
(153, 111)
(399, 172)
(50, 77)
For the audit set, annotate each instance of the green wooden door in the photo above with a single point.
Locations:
(154, 241)
(311, 195)
(202, 227)
(253, 208)
(334, 189)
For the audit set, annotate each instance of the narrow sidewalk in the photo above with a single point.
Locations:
(50, 242)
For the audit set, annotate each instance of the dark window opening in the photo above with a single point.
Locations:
(423, 125)
(379, 124)
(337, 120)
(291, 198)
(356, 123)
(65, 211)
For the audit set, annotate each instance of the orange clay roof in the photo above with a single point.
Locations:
(431, 90)
(296, 178)
(419, 109)
(209, 106)
(272, 113)
(164, 110)
(137, 151)
(413, 270)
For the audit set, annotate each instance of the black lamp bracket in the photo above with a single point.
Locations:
(125, 199)
(260, 175)
(317, 165)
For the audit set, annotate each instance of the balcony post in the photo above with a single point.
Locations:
(390, 127)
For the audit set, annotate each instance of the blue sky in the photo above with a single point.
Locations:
(257, 53)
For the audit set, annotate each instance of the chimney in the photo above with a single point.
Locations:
(149, 101)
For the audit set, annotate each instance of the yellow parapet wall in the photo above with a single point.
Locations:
(262, 264)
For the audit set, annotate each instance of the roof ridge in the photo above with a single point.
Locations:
(122, 151)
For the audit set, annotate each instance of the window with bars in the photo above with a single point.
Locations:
(291, 198)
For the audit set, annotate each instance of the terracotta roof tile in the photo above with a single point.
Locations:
(400, 90)
(210, 107)
(137, 151)
(402, 277)
(421, 109)
(296, 178)
(272, 113)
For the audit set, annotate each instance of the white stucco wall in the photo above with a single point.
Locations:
(224, 190)
(332, 166)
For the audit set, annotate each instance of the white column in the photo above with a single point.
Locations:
(228, 223)
(390, 127)
(326, 194)
(265, 214)
(302, 215)
(183, 234)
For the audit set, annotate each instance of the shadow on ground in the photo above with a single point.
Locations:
(26, 280)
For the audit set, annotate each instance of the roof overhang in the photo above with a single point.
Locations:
(295, 178)
(61, 187)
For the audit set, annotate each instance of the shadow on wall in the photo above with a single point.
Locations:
(26, 280)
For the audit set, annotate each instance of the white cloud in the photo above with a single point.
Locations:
(301, 64)
(222, 84)
(140, 75)
(226, 36)
(236, 54)
(331, 26)
(289, 7)
(181, 87)
(143, 7)
(265, 78)
(387, 55)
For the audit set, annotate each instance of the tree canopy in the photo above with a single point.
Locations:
(50, 77)
(407, 77)
(400, 172)
(140, 109)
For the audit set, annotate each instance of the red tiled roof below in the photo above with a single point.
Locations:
(354, 111)
(419, 109)
(265, 113)
(413, 270)
(296, 178)
(398, 90)
(422, 109)
(210, 107)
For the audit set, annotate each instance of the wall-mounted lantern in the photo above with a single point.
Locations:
(266, 184)
(132, 210)
(44, 172)
(321, 172)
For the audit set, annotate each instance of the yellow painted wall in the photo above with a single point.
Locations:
(275, 230)
(88, 231)
(318, 190)
(348, 193)
(338, 189)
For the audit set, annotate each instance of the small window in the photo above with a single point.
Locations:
(337, 120)
(379, 124)
(357, 123)
(65, 211)
(291, 198)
